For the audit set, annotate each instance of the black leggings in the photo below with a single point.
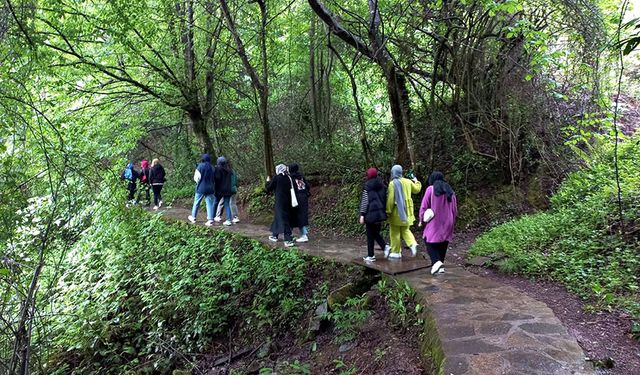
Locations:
(156, 194)
(437, 250)
(373, 235)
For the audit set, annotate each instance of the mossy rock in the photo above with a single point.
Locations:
(340, 296)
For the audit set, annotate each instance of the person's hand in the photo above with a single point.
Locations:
(361, 219)
(268, 178)
(420, 224)
(414, 179)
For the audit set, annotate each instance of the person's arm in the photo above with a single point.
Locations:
(454, 203)
(416, 186)
(197, 176)
(390, 198)
(271, 184)
(426, 203)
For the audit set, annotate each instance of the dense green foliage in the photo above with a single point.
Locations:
(581, 241)
(139, 292)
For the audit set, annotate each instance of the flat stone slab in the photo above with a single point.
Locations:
(394, 266)
(482, 327)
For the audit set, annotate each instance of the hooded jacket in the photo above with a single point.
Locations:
(223, 178)
(372, 203)
(204, 176)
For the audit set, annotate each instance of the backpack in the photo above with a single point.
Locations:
(128, 174)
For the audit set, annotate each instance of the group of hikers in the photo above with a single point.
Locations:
(438, 212)
(379, 203)
(150, 178)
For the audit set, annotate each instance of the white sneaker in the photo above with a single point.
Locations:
(441, 270)
(387, 248)
(273, 238)
(414, 249)
(289, 243)
(217, 219)
(395, 256)
(235, 220)
(209, 223)
(303, 239)
(159, 204)
(191, 219)
(436, 267)
(227, 223)
(155, 208)
(369, 259)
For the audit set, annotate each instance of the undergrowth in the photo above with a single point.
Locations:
(580, 241)
(140, 293)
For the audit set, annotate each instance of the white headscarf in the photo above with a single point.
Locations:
(281, 169)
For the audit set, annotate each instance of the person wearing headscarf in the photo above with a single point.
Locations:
(157, 180)
(438, 230)
(372, 212)
(205, 189)
(300, 217)
(130, 175)
(281, 186)
(399, 211)
(223, 194)
(144, 182)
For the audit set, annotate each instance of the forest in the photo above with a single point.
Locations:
(530, 109)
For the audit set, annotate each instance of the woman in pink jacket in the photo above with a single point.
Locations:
(438, 229)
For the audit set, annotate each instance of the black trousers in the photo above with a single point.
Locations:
(373, 235)
(144, 188)
(157, 189)
(437, 250)
(131, 187)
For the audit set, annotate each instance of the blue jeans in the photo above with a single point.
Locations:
(208, 199)
(227, 206)
(304, 230)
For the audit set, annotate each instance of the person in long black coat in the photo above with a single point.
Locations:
(223, 187)
(281, 186)
(300, 218)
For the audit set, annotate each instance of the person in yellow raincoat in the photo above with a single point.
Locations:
(400, 212)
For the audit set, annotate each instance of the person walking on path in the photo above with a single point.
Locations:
(144, 182)
(157, 180)
(205, 188)
(282, 188)
(400, 211)
(223, 187)
(372, 212)
(130, 175)
(232, 199)
(440, 199)
(301, 213)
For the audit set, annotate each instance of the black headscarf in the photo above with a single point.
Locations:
(440, 186)
(294, 171)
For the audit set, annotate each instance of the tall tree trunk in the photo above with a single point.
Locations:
(192, 107)
(315, 121)
(261, 85)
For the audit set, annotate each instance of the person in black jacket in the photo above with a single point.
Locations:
(131, 176)
(281, 186)
(145, 187)
(300, 218)
(223, 187)
(372, 213)
(157, 180)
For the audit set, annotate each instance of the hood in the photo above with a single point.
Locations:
(206, 158)
(396, 171)
(144, 164)
(374, 184)
(221, 161)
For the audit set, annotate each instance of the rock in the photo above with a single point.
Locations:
(340, 296)
(264, 350)
(346, 347)
(321, 310)
(478, 261)
(498, 255)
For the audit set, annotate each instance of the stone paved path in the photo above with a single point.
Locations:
(481, 327)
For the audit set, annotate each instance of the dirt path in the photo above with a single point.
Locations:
(479, 326)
